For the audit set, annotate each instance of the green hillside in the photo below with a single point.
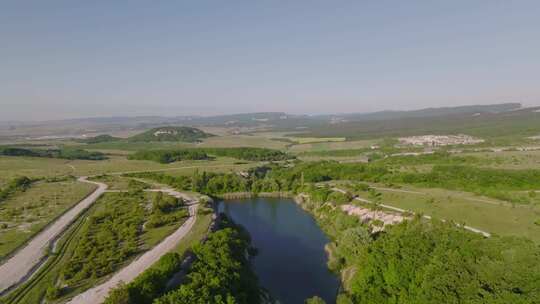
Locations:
(186, 134)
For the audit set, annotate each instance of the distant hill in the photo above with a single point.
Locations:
(505, 125)
(429, 112)
(99, 139)
(169, 133)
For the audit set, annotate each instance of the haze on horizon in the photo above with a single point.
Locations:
(101, 58)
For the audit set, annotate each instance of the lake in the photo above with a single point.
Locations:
(291, 261)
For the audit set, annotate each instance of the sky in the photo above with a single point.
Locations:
(69, 59)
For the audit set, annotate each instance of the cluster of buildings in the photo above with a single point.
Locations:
(440, 140)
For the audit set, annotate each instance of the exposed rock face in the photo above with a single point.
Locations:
(370, 216)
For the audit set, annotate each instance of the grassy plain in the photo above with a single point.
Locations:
(11, 167)
(323, 146)
(487, 214)
(26, 213)
(510, 159)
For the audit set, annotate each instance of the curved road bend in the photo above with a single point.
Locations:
(20, 266)
(127, 274)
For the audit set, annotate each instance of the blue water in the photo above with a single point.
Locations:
(291, 262)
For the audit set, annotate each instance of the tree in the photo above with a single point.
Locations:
(315, 300)
(353, 241)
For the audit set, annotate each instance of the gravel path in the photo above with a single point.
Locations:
(22, 265)
(98, 294)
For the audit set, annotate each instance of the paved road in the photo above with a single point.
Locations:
(22, 265)
(98, 294)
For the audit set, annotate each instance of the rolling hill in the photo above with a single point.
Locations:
(171, 133)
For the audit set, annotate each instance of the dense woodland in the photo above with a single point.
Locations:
(169, 156)
(250, 154)
(64, 153)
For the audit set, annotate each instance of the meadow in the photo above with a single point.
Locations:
(26, 213)
(488, 214)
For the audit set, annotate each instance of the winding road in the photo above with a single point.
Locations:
(28, 259)
(98, 293)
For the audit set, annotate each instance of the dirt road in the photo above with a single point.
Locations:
(98, 294)
(22, 265)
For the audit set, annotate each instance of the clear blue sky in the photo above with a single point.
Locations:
(63, 59)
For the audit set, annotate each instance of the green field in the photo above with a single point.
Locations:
(24, 214)
(41, 167)
(494, 216)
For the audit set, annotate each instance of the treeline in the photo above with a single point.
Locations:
(478, 180)
(283, 178)
(64, 153)
(269, 178)
(169, 156)
(17, 184)
(250, 154)
(98, 139)
(221, 273)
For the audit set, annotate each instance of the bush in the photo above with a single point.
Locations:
(53, 292)
(315, 300)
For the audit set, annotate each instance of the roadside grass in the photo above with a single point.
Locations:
(196, 234)
(118, 183)
(487, 214)
(28, 212)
